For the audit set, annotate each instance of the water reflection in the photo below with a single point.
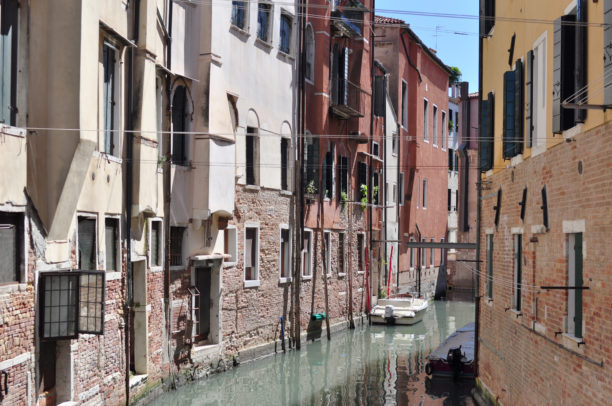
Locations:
(371, 365)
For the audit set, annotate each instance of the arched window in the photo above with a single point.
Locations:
(310, 54)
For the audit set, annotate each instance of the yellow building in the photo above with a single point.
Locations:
(546, 187)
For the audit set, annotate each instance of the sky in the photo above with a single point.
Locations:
(454, 48)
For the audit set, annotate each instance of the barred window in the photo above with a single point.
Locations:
(176, 245)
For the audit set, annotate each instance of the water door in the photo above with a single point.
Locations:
(203, 284)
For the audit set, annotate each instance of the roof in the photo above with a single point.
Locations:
(387, 20)
(428, 51)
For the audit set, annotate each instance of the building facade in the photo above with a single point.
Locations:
(543, 309)
(418, 87)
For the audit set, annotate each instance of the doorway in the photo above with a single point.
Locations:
(203, 278)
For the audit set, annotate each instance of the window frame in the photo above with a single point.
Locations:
(539, 86)
(425, 193)
(575, 277)
(361, 252)
(256, 143)
(404, 110)
(290, 17)
(444, 135)
(281, 278)
(185, 138)
(490, 249)
(434, 140)
(88, 216)
(307, 251)
(425, 120)
(232, 246)
(517, 272)
(269, 22)
(245, 17)
(341, 253)
(327, 258)
(285, 183)
(310, 53)
(22, 248)
(182, 264)
(160, 248)
(14, 70)
(114, 132)
(117, 218)
(251, 283)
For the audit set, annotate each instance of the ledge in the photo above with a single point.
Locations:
(240, 31)
(284, 280)
(252, 284)
(286, 193)
(252, 188)
(13, 287)
(266, 46)
(538, 229)
(284, 55)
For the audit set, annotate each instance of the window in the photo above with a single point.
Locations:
(442, 253)
(401, 188)
(450, 202)
(9, 37)
(424, 193)
(327, 257)
(569, 67)
(394, 144)
(340, 76)
(263, 21)
(176, 245)
(230, 245)
(423, 254)
(72, 303)
(343, 177)
(11, 247)
(155, 244)
(239, 14)
(426, 121)
(418, 196)
(87, 243)
(404, 104)
(341, 256)
(513, 112)
(435, 125)
(517, 283)
(375, 149)
(487, 20)
(486, 142)
(375, 188)
(285, 254)
(431, 255)
(310, 54)
(251, 254)
(110, 94)
(311, 169)
(328, 171)
(394, 194)
(380, 98)
(360, 252)
(111, 238)
(285, 176)
(252, 156)
(307, 255)
(574, 278)
(444, 135)
(362, 180)
(535, 102)
(490, 266)
(411, 254)
(286, 23)
(179, 127)
(159, 106)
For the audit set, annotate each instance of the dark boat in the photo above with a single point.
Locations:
(455, 356)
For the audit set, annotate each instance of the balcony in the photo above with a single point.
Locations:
(344, 24)
(346, 99)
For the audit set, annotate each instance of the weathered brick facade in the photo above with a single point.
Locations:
(528, 357)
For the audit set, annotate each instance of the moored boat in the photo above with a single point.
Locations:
(455, 356)
(400, 309)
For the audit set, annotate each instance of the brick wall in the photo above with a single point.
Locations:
(522, 359)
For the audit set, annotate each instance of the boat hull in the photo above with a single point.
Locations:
(398, 320)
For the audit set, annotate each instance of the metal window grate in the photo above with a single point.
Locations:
(176, 245)
(59, 297)
(91, 304)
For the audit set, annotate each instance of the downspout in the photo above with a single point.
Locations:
(410, 60)
(384, 182)
(478, 214)
(370, 149)
(399, 199)
(419, 252)
(129, 176)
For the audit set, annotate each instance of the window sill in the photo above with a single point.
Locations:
(286, 193)
(360, 272)
(537, 150)
(252, 188)
(309, 81)
(13, 287)
(573, 343)
(573, 132)
(287, 56)
(113, 275)
(282, 280)
(489, 302)
(111, 158)
(229, 264)
(517, 159)
(178, 268)
(306, 278)
(341, 275)
(155, 269)
(252, 284)
(241, 32)
(13, 131)
(263, 44)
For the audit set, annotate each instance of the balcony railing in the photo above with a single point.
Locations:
(346, 99)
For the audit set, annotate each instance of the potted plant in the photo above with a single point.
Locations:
(344, 199)
(364, 196)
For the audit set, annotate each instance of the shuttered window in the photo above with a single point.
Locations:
(404, 104)
(529, 99)
(109, 62)
(487, 16)
(251, 253)
(286, 23)
(519, 107)
(11, 247)
(285, 253)
(487, 125)
(380, 91)
(575, 279)
(341, 257)
(111, 238)
(607, 51)
(156, 243)
(285, 163)
(513, 112)
(9, 13)
(179, 119)
(311, 169)
(490, 266)
(87, 243)
(176, 245)
(329, 172)
(518, 268)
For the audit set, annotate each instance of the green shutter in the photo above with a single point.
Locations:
(490, 265)
(578, 283)
(580, 67)
(529, 107)
(484, 143)
(519, 108)
(509, 115)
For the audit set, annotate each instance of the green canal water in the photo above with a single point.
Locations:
(371, 365)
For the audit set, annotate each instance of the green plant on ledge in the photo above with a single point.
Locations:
(310, 188)
(375, 194)
(364, 196)
(381, 293)
(344, 199)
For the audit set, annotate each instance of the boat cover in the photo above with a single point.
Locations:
(463, 337)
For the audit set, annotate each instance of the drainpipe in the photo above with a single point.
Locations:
(399, 199)
(129, 176)
(419, 253)
(369, 180)
(384, 182)
(478, 214)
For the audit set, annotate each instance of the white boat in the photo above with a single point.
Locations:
(404, 310)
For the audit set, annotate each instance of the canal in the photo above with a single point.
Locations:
(371, 365)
